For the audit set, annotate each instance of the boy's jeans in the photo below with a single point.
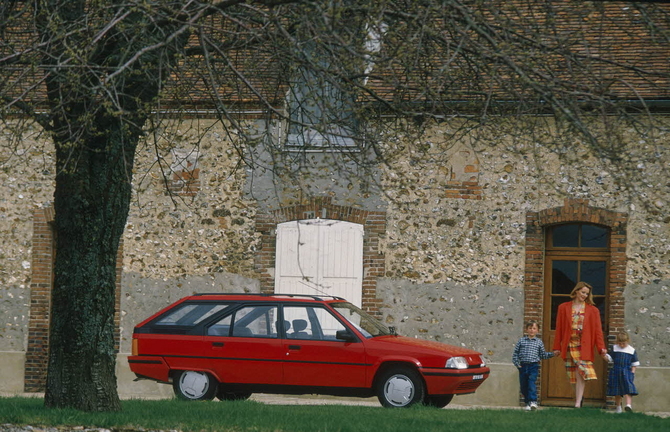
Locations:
(527, 377)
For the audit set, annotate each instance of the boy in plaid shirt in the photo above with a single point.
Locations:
(528, 352)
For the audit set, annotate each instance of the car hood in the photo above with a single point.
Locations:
(451, 350)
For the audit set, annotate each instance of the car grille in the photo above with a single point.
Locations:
(469, 385)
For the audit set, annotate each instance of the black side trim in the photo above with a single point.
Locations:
(250, 359)
(454, 374)
(145, 361)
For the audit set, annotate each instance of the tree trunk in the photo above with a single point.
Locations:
(100, 95)
(91, 202)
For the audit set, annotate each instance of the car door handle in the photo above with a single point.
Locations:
(217, 344)
(294, 347)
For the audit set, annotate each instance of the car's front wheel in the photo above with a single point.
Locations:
(400, 387)
(437, 401)
(194, 386)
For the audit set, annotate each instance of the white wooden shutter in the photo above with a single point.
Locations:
(320, 257)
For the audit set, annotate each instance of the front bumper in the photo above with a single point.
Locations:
(441, 381)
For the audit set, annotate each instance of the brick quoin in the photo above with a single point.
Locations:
(374, 225)
(575, 211)
(41, 284)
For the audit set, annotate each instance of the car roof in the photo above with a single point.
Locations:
(263, 297)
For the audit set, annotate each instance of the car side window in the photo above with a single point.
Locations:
(255, 321)
(221, 327)
(190, 314)
(312, 323)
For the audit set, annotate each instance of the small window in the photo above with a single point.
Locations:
(321, 112)
(579, 236)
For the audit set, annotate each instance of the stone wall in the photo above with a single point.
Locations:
(27, 181)
(202, 229)
(454, 245)
(472, 248)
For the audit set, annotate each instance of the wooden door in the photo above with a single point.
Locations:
(567, 262)
(320, 257)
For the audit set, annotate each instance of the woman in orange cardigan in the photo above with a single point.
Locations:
(578, 330)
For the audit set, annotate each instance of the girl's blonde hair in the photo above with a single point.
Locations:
(580, 285)
(622, 337)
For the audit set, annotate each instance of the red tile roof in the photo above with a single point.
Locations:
(581, 49)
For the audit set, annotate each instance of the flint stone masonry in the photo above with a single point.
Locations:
(431, 238)
(27, 182)
(453, 255)
(171, 237)
(483, 318)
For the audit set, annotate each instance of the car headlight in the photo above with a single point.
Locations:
(457, 363)
(482, 360)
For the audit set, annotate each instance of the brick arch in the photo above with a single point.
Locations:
(574, 211)
(41, 284)
(374, 225)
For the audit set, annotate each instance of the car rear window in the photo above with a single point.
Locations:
(190, 314)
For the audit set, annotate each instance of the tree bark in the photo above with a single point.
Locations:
(100, 96)
(91, 201)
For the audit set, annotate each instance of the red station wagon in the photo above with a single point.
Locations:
(232, 345)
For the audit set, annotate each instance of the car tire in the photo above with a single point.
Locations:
(400, 387)
(224, 395)
(194, 386)
(437, 401)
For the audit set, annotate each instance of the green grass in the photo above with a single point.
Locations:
(254, 416)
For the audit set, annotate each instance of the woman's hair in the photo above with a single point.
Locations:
(622, 336)
(580, 285)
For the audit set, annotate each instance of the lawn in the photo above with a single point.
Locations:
(243, 416)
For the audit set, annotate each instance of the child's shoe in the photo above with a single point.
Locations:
(618, 409)
(629, 408)
(533, 406)
(527, 407)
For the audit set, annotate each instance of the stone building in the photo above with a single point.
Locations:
(459, 239)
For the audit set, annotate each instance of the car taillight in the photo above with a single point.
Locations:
(135, 349)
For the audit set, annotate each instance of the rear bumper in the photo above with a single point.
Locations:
(150, 367)
(440, 381)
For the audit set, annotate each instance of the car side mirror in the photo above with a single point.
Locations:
(345, 335)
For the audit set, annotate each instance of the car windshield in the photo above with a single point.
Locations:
(366, 324)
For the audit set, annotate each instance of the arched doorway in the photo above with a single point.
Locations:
(372, 222)
(553, 262)
(574, 252)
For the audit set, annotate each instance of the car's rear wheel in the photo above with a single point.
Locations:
(400, 387)
(224, 395)
(194, 386)
(437, 401)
